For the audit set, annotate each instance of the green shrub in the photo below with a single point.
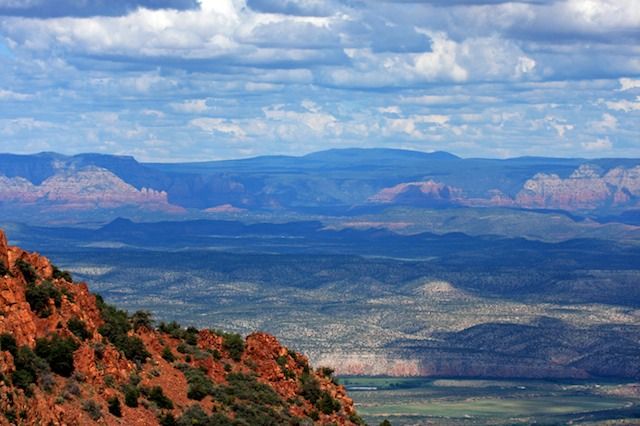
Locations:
(11, 416)
(326, 404)
(193, 416)
(131, 395)
(141, 319)
(27, 270)
(191, 336)
(168, 420)
(65, 275)
(161, 400)
(38, 297)
(28, 366)
(79, 328)
(310, 388)
(219, 419)
(385, 422)
(8, 343)
(247, 388)
(233, 344)
(326, 372)
(66, 292)
(251, 414)
(92, 408)
(172, 328)
(114, 406)
(98, 350)
(167, 354)
(58, 352)
(109, 380)
(357, 419)
(133, 348)
(115, 328)
(23, 379)
(199, 384)
(134, 379)
(4, 270)
(116, 322)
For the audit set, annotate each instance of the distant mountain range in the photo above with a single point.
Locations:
(331, 182)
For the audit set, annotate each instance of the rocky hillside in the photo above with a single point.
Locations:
(68, 358)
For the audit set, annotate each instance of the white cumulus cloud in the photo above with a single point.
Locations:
(603, 144)
(218, 125)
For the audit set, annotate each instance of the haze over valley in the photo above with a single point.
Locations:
(298, 212)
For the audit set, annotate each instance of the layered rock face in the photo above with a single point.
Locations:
(587, 188)
(85, 189)
(66, 358)
(429, 192)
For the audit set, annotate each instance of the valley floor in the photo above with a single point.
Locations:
(428, 401)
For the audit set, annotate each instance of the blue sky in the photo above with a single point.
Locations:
(175, 80)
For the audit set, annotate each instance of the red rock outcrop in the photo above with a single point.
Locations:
(587, 188)
(416, 192)
(84, 189)
(257, 373)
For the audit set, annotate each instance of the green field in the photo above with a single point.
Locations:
(417, 401)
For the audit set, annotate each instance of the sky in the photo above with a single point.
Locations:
(195, 80)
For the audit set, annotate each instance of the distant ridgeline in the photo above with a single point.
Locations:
(329, 182)
(66, 357)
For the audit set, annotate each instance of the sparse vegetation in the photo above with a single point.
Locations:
(199, 384)
(168, 419)
(193, 415)
(241, 399)
(156, 395)
(234, 344)
(326, 404)
(38, 297)
(114, 406)
(79, 328)
(326, 372)
(3, 269)
(115, 329)
(58, 352)
(131, 395)
(167, 354)
(28, 366)
(27, 270)
(8, 343)
(310, 388)
(141, 319)
(93, 409)
(60, 274)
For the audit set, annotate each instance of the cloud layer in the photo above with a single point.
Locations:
(184, 80)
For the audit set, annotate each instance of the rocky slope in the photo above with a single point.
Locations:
(67, 358)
